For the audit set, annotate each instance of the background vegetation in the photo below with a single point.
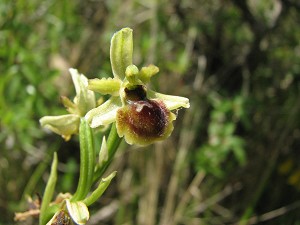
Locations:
(234, 155)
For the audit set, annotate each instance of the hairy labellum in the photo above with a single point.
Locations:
(144, 122)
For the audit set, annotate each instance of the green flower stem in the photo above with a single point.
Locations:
(99, 190)
(48, 194)
(87, 160)
(113, 143)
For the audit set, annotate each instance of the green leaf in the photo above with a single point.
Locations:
(121, 49)
(87, 157)
(112, 144)
(100, 189)
(48, 194)
(103, 153)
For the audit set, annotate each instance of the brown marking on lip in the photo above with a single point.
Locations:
(144, 122)
(145, 118)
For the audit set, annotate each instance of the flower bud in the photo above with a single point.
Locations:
(61, 218)
(78, 211)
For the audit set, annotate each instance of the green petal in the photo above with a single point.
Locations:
(121, 49)
(105, 86)
(64, 125)
(147, 72)
(105, 113)
(85, 98)
(171, 101)
(78, 211)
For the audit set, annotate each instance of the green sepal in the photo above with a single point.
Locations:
(171, 101)
(64, 125)
(121, 49)
(85, 99)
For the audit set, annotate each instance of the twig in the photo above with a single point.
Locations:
(21, 216)
(179, 212)
(228, 190)
(273, 214)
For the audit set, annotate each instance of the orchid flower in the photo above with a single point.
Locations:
(142, 115)
(66, 125)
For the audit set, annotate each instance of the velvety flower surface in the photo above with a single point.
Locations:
(142, 115)
(67, 125)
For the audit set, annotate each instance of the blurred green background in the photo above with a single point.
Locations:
(234, 155)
